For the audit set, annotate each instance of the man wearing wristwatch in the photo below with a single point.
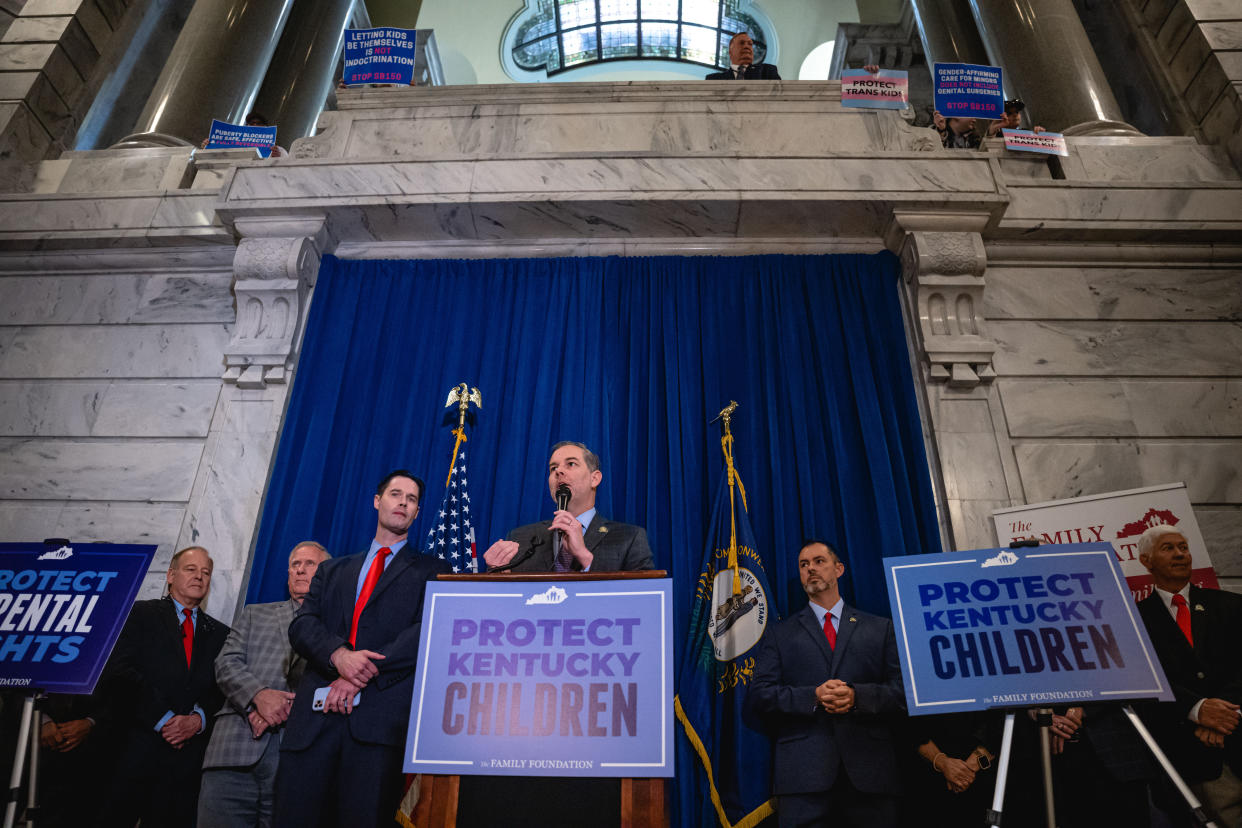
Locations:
(828, 689)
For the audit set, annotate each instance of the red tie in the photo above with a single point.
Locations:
(1183, 617)
(187, 635)
(830, 632)
(373, 576)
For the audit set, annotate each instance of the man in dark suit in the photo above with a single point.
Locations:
(742, 64)
(827, 687)
(160, 685)
(73, 736)
(358, 628)
(1196, 634)
(257, 671)
(588, 541)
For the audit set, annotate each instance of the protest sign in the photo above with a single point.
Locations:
(886, 89)
(231, 136)
(61, 610)
(560, 678)
(381, 55)
(965, 90)
(1046, 626)
(1024, 140)
(1115, 517)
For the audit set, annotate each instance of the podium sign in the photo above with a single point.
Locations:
(1052, 625)
(552, 678)
(61, 611)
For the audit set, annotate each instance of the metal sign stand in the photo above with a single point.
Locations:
(1043, 717)
(1044, 720)
(27, 741)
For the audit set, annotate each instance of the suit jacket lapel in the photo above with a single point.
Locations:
(816, 631)
(595, 532)
(402, 561)
(1200, 628)
(845, 631)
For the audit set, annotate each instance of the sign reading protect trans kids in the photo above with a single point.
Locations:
(1019, 628)
(519, 678)
(61, 610)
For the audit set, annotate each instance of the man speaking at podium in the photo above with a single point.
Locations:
(578, 538)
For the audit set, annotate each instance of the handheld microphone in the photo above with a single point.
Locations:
(563, 494)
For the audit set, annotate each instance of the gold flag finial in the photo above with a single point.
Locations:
(462, 395)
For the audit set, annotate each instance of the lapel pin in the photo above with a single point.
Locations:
(852, 619)
(603, 529)
(1198, 607)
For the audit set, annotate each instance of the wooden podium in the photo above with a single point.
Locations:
(642, 799)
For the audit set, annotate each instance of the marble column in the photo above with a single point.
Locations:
(214, 70)
(303, 69)
(948, 32)
(1049, 62)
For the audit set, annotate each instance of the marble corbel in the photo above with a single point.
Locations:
(272, 281)
(945, 271)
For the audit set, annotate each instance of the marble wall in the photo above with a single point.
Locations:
(1074, 323)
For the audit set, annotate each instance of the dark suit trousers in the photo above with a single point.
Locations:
(842, 807)
(155, 783)
(338, 781)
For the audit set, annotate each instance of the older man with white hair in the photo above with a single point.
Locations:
(1197, 634)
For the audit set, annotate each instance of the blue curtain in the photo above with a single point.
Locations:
(633, 356)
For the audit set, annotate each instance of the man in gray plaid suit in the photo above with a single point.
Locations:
(257, 671)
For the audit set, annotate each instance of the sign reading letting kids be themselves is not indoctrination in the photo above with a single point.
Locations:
(1036, 627)
(382, 55)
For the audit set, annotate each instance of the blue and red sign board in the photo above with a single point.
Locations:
(382, 55)
(548, 678)
(967, 90)
(1041, 627)
(224, 135)
(61, 610)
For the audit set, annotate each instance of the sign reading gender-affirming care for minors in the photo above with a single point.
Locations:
(382, 55)
(561, 678)
(61, 610)
(965, 90)
(886, 89)
(1037, 627)
(231, 136)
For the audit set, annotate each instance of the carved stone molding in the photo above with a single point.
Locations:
(945, 271)
(272, 278)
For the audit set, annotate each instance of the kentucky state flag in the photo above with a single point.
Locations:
(726, 781)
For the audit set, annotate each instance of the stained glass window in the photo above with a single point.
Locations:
(565, 34)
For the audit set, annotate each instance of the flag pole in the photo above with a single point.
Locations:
(726, 445)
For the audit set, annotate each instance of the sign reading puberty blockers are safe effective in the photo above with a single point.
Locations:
(964, 90)
(886, 89)
(61, 610)
(1036, 627)
(1118, 518)
(1024, 140)
(231, 136)
(380, 55)
(569, 678)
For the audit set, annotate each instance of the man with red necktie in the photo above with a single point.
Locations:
(827, 687)
(161, 696)
(1196, 634)
(358, 628)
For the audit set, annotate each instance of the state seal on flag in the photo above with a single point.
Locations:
(738, 621)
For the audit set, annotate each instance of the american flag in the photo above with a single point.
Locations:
(452, 537)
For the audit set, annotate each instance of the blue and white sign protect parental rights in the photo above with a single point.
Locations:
(547, 678)
(1051, 625)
